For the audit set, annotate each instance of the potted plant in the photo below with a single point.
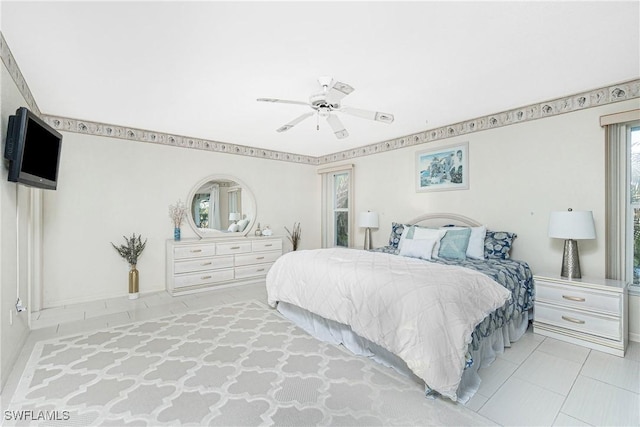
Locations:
(130, 252)
(294, 235)
(177, 213)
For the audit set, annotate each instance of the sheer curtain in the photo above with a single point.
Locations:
(214, 207)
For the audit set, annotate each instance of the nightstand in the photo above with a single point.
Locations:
(590, 312)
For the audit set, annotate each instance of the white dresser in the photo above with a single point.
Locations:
(197, 265)
(589, 312)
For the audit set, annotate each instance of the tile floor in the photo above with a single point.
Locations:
(539, 381)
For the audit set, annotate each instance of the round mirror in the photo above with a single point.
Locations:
(221, 206)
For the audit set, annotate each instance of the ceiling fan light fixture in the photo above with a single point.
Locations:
(325, 82)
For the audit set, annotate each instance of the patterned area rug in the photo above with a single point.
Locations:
(237, 364)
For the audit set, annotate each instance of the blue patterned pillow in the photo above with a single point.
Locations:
(497, 244)
(396, 233)
(454, 244)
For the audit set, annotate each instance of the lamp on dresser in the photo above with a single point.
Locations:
(368, 220)
(572, 226)
(234, 216)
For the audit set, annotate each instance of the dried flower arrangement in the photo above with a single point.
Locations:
(132, 250)
(177, 213)
(294, 236)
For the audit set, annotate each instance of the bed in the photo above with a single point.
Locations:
(431, 304)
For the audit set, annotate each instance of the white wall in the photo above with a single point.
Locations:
(518, 174)
(14, 222)
(112, 187)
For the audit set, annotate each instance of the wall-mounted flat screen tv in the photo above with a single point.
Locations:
(33, 150)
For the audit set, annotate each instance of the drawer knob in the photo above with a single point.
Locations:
(262, 269)
(206, 263)
(270, 244)
(260, 257)
(235, 247)
(571, 298)
(205, 277)
(572, 320)
(196, 250)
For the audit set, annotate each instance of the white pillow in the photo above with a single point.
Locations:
(475, 249)
(420, 233)
(418, 248)
(242, 224)
(233, 228)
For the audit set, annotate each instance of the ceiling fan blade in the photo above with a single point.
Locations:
(337, 126)
(295, 121)
(370, 115)
(282, 101)
(338, 91)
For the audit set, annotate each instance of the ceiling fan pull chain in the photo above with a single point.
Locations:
(318, 121)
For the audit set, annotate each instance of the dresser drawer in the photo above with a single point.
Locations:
(202, 264)
(579, 298)
(266, 245)
(204, 277)
(233, 248)
(252, 271)
(192, 251)
(257, 258)
(578, 321)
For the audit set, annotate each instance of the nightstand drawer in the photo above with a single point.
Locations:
(589, 323)
(579, 298)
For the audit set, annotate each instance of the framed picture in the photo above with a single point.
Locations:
(443, 168)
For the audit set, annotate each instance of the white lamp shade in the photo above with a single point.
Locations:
(368, 220)
(234, 216)
(572, 225)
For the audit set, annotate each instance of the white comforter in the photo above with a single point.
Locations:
(421, 311)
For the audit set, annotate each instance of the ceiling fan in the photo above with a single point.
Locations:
(326, 103)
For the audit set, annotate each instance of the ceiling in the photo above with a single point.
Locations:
(196, 68)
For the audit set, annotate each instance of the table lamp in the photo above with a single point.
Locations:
(572, 226)
(368, 220)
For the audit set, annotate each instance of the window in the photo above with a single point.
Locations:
(337, 197)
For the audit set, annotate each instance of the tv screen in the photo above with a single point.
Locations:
(33, 150)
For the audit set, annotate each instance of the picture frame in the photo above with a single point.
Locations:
(443, 168)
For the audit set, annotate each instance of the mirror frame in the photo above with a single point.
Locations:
(245, 188)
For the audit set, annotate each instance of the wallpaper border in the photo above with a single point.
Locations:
(12, 66)
(566, 104)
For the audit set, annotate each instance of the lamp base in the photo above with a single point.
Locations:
(571, 260)
(367, 239)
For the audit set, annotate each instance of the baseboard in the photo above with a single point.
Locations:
(634, 337)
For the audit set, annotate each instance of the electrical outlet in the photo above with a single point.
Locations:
(11, 317)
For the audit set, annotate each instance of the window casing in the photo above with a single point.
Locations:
(337, 201)
(622, 195)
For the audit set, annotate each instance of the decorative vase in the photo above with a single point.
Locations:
(258, 232)
(133, 282)
(176, 233)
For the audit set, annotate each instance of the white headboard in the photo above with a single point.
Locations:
(440, 219)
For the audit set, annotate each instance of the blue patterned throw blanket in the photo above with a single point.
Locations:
(514, 275)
